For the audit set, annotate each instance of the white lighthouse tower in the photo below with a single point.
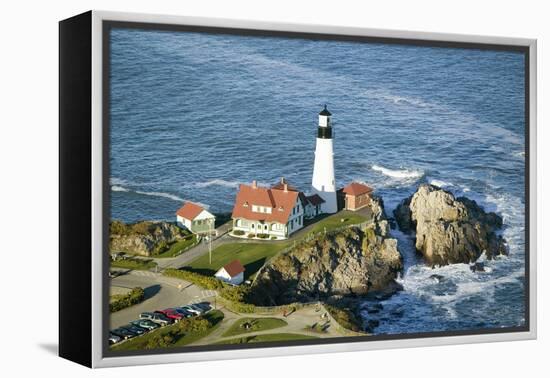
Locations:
(323, 170)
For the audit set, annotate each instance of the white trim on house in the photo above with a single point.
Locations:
(204, 216)
(273, 229)
(222, 275)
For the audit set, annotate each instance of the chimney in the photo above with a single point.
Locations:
(254, 184)
(285, 186)
(283, 181)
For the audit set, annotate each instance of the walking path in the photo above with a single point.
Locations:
(298, 323)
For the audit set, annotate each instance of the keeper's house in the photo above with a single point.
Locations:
(356, 196)
(195, 218)
(264, 213)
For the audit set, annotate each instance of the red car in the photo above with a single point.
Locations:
(171, 314)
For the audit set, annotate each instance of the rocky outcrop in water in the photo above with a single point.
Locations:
(449, 230)
(353, 261)
(143, 238)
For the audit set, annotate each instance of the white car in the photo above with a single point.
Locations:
(113, 339)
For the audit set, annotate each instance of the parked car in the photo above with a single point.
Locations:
(146, 324)
(205, 306)
(123, 333)
(113, 339)
(185, 313)
(156, 317)
(192, 310)
(135, 329)
(171, 313)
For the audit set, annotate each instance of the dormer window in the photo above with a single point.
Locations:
(281, 208)
(245, 204)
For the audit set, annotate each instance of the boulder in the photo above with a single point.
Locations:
(449, 230)
(143, 238)
(350, 262)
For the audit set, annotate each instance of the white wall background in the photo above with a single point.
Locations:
(28, 166)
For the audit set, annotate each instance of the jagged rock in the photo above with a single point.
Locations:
(477, 267)
(449, 230)
(143, 238)
(350, 262)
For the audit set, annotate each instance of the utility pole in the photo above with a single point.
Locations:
(210, 243)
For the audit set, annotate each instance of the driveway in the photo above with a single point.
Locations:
(160, 293)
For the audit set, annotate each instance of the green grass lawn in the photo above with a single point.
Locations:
(140, 342)
(335, 221)
(256, 324)
(134, 263)
(254, 255)
(178, 247)
(265, 338)
(251, 255)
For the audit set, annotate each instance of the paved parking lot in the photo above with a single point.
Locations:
(160, 293)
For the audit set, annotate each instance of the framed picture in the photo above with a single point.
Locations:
(233, 189)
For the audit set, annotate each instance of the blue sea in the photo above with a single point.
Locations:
(193, 115)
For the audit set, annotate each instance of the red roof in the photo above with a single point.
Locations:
(189, 210)
(356, 189)
(279, 201)
(315, 199)
(234, 268)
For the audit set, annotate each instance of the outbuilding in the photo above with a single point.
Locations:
(195, 218)
(356, 196)
(232, 273)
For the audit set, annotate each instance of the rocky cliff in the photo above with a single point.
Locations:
(449, 230)
(143, 238)
(353, 261)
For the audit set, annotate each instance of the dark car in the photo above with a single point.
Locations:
(135, 329)
(123, 333)
(171, 313)
(184, 312)
(145, 323)
(205, 306)
(156, 317)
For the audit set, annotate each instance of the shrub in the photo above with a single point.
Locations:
(344, 317)
(273, 238)
(160, 341)
(251, 235)
(263, 236)
(135, 296)
(207, 282)
(238, 232)
(198, 324)
(235, 293)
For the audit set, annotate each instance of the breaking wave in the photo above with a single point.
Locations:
(217, 182)
(440, 183)
(399, 174)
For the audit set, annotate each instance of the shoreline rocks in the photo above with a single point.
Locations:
(449, 230)
(143, 238)
(348, 263)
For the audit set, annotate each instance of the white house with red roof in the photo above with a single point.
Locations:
(195, 218)
(232, 273)
(262, 212)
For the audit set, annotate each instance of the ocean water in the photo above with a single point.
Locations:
(193, 115)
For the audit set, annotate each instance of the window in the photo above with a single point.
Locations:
(252, 226)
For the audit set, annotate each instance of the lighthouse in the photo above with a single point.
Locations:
(323, 170)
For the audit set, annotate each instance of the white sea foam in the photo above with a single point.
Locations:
(113, 181)
(161, 194)
(398, 174)
(440, 183)
(217, 182)
(395, 99)
(116, 188)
